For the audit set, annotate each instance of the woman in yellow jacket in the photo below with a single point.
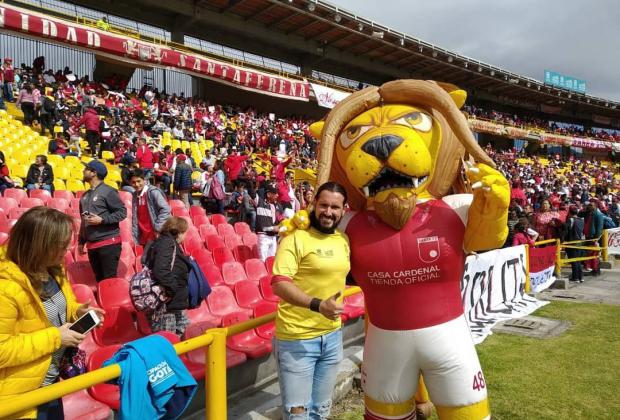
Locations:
(37, 306)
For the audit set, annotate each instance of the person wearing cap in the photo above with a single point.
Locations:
(8, 78)
(40, 175)
(183, 180)
(267, 223)
(128, 164)
(102, 210)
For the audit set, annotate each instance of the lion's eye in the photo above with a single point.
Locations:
(417, 120)
(351, 134)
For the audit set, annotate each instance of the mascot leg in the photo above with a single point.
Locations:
(452, 371)
(390, 374)
(424, 406)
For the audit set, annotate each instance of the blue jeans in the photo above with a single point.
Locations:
(307, 370)
(47, 187)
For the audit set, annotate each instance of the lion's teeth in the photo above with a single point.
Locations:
(415, 182)
(366, 191)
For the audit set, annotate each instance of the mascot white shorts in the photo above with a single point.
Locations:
(445, 355)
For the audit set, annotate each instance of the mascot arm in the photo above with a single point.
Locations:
(487, 218)
(301, 220)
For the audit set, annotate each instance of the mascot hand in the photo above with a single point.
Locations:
(491, 189)
(301, 220)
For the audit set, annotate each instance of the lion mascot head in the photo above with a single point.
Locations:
(395, 144)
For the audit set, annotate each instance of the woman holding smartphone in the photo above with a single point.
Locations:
(37, 307)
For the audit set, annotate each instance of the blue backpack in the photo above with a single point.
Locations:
(197, 285)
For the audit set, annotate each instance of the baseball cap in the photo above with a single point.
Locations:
(181, 157)
(271, 189)
(98, 167)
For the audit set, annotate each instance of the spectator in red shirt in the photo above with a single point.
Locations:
(5, 179)
(90, 120)
(144, 155)
(8, 78)
(150, 209)
(234, 163)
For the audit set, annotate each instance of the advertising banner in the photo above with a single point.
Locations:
(328, 97)
(542, 267)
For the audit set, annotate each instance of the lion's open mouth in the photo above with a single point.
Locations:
(388, 178)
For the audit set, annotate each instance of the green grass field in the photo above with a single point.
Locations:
(573, 376)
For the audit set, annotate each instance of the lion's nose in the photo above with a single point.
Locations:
(381, 147)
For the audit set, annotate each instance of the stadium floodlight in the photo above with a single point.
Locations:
(401, 42)
(360, 27)
(337, 17)
(450, 59)
(311, 7)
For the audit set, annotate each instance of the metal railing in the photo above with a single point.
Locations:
(215, 370)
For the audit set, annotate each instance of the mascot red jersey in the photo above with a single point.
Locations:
(399, 151)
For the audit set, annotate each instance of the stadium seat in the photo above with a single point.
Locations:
(204, 258)
(217, 219)
(68, 258)
(117, 328)
(233, 272)
(143, 324)
(233, 358)
(3, 214)
(125, 269)
(59, 185)
(8, 203)
(62, 173)
(83, 293)
(247, 294)
(207, 230)
(255, 269)
(81, 406)
(6, 225)
(16, 213)
(78, 257)
(80, 193)
(114, 293)
(200, 219)
(67, 195)
(192, 245)
(213, 274)
(76, 186)
(28, 202)
(222, 255)
(74, 202)
(197, 211)
(243, 253)
(250, 239)
(241, 228)
(214, 241)
(224, 229)
(247, 342)
(266, 331)
(4, 237)
(105, 393)
(80, 272)
(88, 345)
(222, 302)
(176, 204)
(232, 240)
(59, 204)
(195, 369)
(125, 195)
(264, 284)
(269, 264)
(202, 315)
(15, 193)
(179, 211)
(43, 195)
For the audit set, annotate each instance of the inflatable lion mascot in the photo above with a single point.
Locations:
(399, 151)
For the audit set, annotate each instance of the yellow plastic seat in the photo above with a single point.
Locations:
(76, 173)
(20, 171)
(55, 160)
(73, 162)
(195, 176)
(75, 185)
(185, 144)
(59, 184)
(111, 183)
(114, 175)
(107, 155)
(176, 144)
(61, 172)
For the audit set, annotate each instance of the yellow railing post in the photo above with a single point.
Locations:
(604, 250)
(528, 286)
(216, 376)
(558, 258)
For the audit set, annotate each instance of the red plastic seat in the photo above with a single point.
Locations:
(196, 211)
(117, 328)
(16, 194)
(247, 342)
(43, 195)
(202, 315)
(200, 219)
(214, 241)
(176, 204)
(250, 239)
(225, 229)
(354, 305)
(75, 203)
(88, 345)
(4, 237)
(247, 294)
(233, 358)
(8, 203)
(127, 250)
(3, 214)
(67, 195)
(179, 211)
(126, 269)
(241, 228)
(269, 264)
(59, 204)
(233, 272)
(16, 213)
(114, 293)
(243, 253)
(80, 193)
(232, 240)
(30, 202)
(222, 302)
(218, 219)
(6, 225)
(80, 272)
(83, 293)
(203, 258)
(79, 257)
(222, 255)
(206, 230)
(193, 245)
(268, 330)
(213, 274)
(81, 406)
(69, 258)
(264, 284)
(125, 195)
(255, 269)
(105, 393)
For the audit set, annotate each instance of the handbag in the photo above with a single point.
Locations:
(145, 294)
(72, 363)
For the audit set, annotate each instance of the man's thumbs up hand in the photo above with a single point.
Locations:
(330, 308)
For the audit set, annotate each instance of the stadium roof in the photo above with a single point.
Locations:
(317, 35)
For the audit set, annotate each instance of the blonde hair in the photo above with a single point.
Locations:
(37, 240)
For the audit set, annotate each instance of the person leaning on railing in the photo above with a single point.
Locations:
(37, 306)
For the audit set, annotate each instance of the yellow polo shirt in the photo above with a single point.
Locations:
(318, 264)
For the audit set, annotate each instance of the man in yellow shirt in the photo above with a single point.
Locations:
(309, 275)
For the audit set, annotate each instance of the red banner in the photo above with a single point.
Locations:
(32, 24)
(542, 258)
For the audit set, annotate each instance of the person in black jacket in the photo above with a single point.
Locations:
(574, 232)
(183, 180)
(40, 175)
(170, 269)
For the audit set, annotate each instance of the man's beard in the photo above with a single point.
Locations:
(315, 223)
(396, 211)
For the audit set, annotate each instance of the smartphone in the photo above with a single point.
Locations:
(87, 322)
(86, 213)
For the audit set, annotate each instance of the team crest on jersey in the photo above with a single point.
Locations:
(428, 249)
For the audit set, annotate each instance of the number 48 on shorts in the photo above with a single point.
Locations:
(479, 383)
